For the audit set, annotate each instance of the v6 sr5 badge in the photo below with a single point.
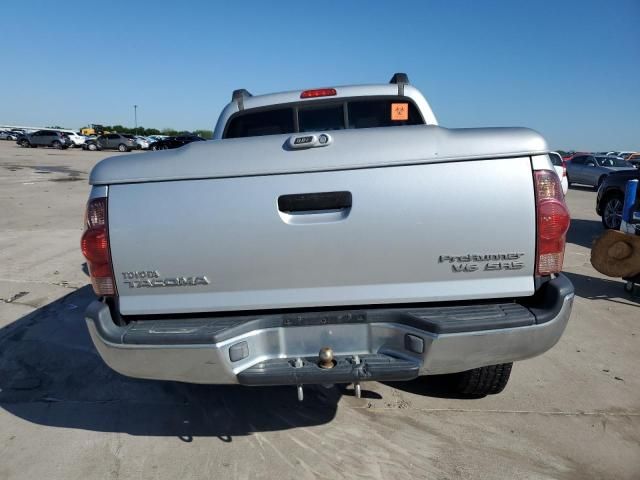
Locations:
(485, 262)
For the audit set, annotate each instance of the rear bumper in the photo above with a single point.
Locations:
(369, 344)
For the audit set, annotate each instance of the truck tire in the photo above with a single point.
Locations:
(482, 381)
(123, 148)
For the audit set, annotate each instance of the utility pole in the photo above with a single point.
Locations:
(135, 117)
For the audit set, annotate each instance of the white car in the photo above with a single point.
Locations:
(8, 135)
(144, 142)
(560, 169)
(155, 138)
(77, 139)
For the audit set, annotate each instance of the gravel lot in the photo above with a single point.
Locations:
(571, 413)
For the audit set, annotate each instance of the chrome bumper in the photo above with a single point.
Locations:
(431, 353)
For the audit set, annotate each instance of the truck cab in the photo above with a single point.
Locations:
(324, 109)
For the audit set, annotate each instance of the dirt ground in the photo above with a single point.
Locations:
(572, 413)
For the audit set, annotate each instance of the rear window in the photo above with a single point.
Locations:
(326, 115)
(382, 113)
(555, 159)
(256, 124)
(613, 162)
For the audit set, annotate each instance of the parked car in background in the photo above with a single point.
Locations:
(610, 197)
(569, 157)
(592, 170)
(77, 139)
(625, 155)
(112, 141)
(157, 137)
(561, 170)
(144, 142)
(8, 135)
(45, 138)
(175, 142)
(634, 159)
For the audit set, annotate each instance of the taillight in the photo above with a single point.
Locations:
(552, 222)
(319, 92)
(95, 247)
(564, 171)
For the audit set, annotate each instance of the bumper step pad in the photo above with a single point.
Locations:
(283, 371)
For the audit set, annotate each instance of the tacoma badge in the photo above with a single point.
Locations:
(151, 279)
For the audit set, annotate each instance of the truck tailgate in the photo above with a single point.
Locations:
(412, 233)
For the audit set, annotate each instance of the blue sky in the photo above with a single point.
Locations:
(569, 69)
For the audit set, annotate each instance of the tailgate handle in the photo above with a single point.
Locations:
(309, 202)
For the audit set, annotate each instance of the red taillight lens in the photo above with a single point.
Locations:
(319, 92)
(552, 222)
(95, 247)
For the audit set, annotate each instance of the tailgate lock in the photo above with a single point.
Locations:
(297, 142)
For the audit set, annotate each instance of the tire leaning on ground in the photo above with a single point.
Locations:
(123, 148)
(482, 381)
(612, 212)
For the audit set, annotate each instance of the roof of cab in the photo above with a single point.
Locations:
(244, 97)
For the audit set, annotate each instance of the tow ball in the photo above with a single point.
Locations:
(326, 361)
(325, 358)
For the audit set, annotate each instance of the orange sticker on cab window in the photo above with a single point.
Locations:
(399, 111)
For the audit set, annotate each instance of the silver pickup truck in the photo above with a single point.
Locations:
(329, 236)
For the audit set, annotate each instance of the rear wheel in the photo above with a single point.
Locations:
(482, 381)
(92, 146)
(24, 143)
(57, 145)
(123, 148)
(612, 212)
